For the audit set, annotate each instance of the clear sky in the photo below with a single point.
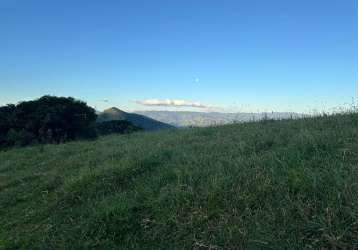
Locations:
(244, 55)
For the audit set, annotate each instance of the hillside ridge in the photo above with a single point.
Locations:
(289, 184)
(143, 121)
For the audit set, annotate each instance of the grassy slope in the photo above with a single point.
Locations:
(283, 184)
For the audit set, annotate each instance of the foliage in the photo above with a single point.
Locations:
(6, 114)
(116, 126)
(48, 119)
(288, 184)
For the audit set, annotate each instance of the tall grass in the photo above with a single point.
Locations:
(290, 184)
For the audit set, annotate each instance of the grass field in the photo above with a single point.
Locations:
(289, 184)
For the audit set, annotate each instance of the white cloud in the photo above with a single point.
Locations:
(172, 103)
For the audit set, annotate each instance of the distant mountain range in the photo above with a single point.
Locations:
(154, 120)
(201, 119)
(137, 119)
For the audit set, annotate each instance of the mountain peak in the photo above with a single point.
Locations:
(138, 120)
(113, 110)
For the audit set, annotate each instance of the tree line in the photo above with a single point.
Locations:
(52, 119)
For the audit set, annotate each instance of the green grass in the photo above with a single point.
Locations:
(266, 185)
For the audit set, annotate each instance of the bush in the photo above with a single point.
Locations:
(116, 126)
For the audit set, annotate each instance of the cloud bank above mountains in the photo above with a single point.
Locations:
(172, 103)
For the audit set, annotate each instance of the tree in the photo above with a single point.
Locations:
(48, 119)
(6, 113)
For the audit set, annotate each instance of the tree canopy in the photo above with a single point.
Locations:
(48, 119)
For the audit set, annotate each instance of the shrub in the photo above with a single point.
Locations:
(116, 126)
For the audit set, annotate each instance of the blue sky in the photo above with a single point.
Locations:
(252, 55)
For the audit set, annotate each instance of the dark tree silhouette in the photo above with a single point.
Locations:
(48, 119)
(6, 113)
(116, 126)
